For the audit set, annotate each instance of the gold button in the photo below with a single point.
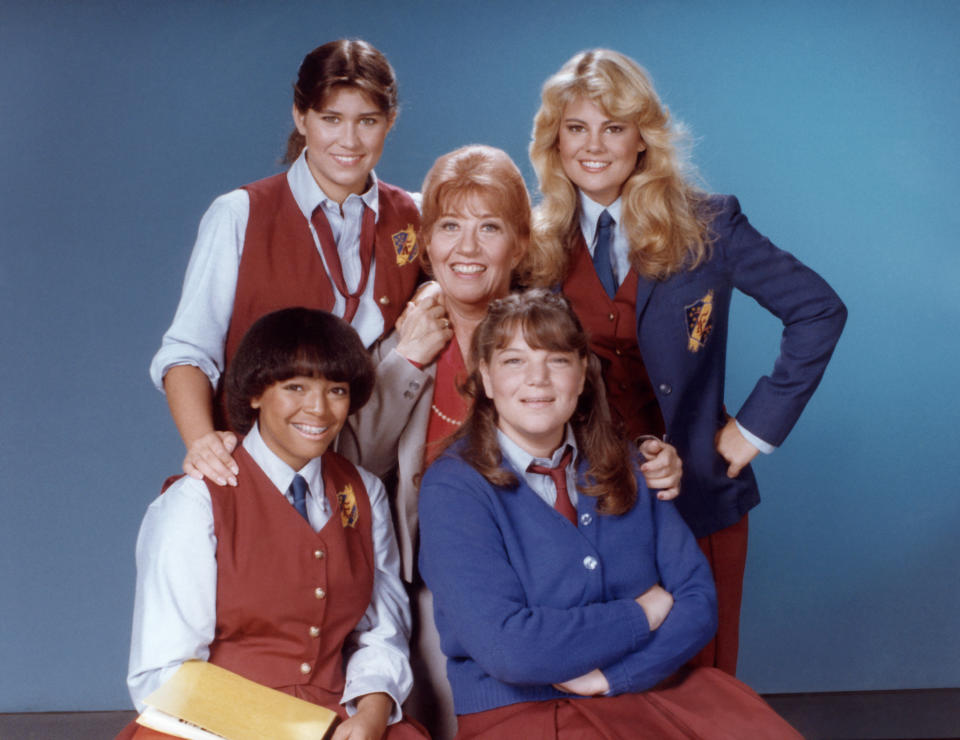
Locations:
(618, 352)
(304, 668)
(384, 300)
(314, 631)
(318, 554)
(319, 593)
(611, 316)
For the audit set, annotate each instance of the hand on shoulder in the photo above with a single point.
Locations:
(423, 327)
(211, 456)
(663, 468)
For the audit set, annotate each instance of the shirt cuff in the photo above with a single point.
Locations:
(358, 687)
(765, 447)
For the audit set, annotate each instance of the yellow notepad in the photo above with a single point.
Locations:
(233, 707)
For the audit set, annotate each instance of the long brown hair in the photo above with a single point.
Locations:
(341, 63)
(547, 322)
(664, 215)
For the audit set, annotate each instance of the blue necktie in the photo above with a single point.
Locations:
(601, 254)
(299, 490)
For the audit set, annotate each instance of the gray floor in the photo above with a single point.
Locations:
(63, 725)
(874, 715)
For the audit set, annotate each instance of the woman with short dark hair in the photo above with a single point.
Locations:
(291, 578)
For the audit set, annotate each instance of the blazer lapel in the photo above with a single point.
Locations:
(644, 289)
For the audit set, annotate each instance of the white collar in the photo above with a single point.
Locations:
(590, 212)
(279, 473)
(309, 195)
(520, 459)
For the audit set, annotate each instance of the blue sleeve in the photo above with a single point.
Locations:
(692, 621)
(481, 607)
(812, 314)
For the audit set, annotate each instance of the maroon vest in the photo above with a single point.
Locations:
(288, 597)
(612, 326)
(280, 266)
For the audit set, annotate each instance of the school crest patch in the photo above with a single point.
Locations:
(699, 322)
(348, 507)
(405, 245)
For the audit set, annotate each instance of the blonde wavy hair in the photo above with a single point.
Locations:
(664, 215)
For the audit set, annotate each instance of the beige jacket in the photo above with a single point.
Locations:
(389, 433)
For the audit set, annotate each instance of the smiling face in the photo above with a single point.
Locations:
(535, 392)
(301, 416)
(597, 153)
(344, 140)
(472, 252)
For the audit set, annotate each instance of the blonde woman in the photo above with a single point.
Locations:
(649, 263)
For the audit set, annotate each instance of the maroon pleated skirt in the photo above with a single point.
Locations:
(693, 703)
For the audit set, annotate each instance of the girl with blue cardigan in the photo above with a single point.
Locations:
(568, 597)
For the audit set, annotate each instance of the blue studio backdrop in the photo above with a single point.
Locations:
(834, 122)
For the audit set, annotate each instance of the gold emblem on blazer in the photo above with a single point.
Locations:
(405, 245)
(699, 322)
(348, 507)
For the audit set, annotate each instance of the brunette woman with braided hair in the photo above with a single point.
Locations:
(326, 234)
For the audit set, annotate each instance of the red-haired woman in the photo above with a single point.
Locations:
(475, 231)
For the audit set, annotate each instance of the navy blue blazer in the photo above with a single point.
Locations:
(682, 335)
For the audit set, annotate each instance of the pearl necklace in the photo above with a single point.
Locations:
(443, 416)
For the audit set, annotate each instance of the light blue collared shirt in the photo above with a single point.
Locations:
(542, 485)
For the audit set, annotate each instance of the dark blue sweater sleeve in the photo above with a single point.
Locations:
(481, 608)
(692, 621)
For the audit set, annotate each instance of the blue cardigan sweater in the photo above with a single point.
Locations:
(524, 599)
